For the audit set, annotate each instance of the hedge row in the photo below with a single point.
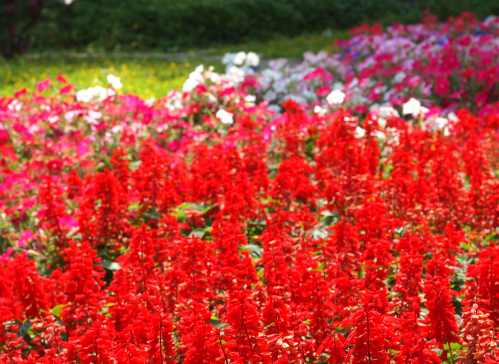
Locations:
(176, 24)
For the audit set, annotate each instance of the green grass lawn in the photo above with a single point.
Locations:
(145, 76)
(287, 47)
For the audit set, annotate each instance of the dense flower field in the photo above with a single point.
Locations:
(449, 65)
(351, 218)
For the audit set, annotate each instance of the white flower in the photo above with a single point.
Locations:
(15, 105)
(250, 100)
(440, 122)
(228, 58)
(384, 112)
(213, 77)
(276, 109)
(270, 95)
(195, 78)
(414, 108)
(70, 115)
(117, 85)
(319, 110)
(360, 132)
(399, 77)
(239, 59)
(387, 111)
(174, 100)
(95, 114)
(452, 117)
(338, 86)
(96, 93)
(150, 101)
(436, 123)
(395, 140)
(83, 96)
(252, 59)
(53, 119)
(212, 99)
(225, 117)
(189, 85)
(116, 129)
(336, 97)
(33, 129)
(115, 82)
(235, 75)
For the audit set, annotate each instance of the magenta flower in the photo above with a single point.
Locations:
(43, 85)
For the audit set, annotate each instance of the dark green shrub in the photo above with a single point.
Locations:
(168, 25)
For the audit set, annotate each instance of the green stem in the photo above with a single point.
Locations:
(451, 353)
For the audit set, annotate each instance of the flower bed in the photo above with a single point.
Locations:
(211, 227)
(449, 66)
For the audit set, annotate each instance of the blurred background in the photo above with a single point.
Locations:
(163, 39)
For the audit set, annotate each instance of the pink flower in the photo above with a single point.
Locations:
(67, 222)
(20, 128)
(4, 137)
(456, 94)
(25, 237)
(65, 89)
(54, 166)
(20, 92)
(442, 85)
(5, 256)
(314, 74)
(82, 147)
(361, 109)
(128, 137)
(481, 98)
(61, 79)
(43, 85)
(174, 145)
(324, 90)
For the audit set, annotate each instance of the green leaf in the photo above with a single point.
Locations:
(72, 232)
(108, 265)
(327, 213)
(135, 165)
(197, 233)
(152, 214)
(466, 247)
(24, 328)
(456, 346)
(134, 206)
(208, 208)
(56, 311)
(319, 233)
(254, 249)
(217, 323)
(77, 237)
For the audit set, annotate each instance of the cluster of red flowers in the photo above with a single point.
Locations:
(316, 245)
